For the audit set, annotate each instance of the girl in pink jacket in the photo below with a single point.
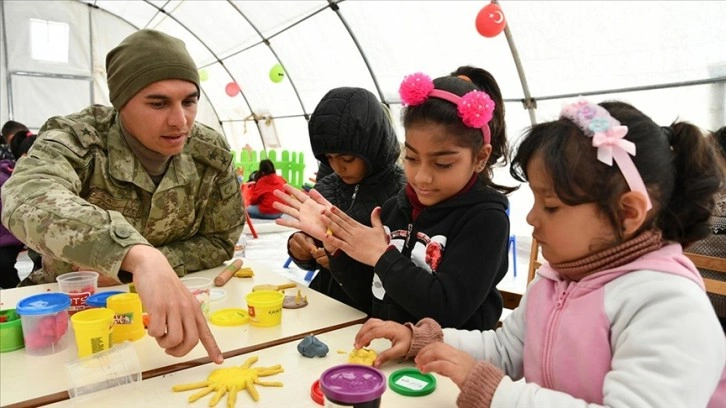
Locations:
(617, 316)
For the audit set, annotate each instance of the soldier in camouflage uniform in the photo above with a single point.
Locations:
(140, 187)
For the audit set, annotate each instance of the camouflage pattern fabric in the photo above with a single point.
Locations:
(81, 198)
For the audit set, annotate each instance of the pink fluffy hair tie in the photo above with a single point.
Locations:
(475, 108)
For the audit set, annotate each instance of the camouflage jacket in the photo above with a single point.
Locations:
(81, 198)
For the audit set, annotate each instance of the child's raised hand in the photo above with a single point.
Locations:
(445, 360)
(306, 213)
(399, 335)
(362, 243)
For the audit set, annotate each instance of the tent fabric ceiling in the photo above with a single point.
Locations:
(566, 48)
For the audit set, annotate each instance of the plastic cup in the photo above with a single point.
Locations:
(44, 318)
(128, 322)
(11, 331)
(200, 288)
(79, 286)
(110, 368)
(352, 385)
(93, 328)
(265, 307)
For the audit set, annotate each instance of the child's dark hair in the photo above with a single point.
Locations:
(719, 137)
(11, 127)
(266, 167)
(21, 143)
(445, 113)
(677, 164)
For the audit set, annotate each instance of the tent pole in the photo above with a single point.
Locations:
(8, 76)
(529, 103)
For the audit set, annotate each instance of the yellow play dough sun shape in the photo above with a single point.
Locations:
(233, 379)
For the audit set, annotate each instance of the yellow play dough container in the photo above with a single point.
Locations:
(93, 328)
(265, 307)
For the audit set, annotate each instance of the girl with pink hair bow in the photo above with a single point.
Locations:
(617, 316)
(438, 248)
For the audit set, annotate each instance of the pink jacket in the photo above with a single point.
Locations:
(636, 335)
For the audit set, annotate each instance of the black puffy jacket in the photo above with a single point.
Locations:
(352, 121)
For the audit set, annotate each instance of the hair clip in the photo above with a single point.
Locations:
(608, 135)
(475, 108)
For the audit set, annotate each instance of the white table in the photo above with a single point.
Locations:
(32, 380)
(300, 373)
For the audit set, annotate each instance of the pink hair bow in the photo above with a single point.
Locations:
(608, 135)
(475, 108)
(611, 142)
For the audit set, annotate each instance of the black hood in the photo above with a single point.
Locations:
(352, 121)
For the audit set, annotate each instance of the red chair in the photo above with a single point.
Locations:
(246, 195)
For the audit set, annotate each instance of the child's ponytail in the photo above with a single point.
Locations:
(499, 157)
(698, 177)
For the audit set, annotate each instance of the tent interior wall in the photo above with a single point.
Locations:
(667, 58)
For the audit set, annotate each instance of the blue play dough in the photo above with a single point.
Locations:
(311, 347)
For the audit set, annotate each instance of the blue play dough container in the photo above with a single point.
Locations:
(99, 299)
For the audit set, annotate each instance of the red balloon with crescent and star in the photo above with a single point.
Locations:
(490, 21)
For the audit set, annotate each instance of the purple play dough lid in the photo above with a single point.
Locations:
(352, 383)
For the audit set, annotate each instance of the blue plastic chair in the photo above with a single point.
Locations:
(513, 247)
(308, 276)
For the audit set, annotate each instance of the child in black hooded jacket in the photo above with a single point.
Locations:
(350, 131)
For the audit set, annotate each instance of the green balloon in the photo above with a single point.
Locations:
(203, 75)
(277, 74)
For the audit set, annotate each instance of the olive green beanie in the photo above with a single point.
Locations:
(145, 57)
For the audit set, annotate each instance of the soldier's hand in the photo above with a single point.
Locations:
(177, 322)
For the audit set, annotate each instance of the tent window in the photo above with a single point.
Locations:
(49, 40)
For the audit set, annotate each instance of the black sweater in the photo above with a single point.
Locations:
(453, 283)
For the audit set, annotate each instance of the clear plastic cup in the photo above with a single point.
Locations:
(200, 288)
(111, 368)
(79, 286)
(44, 318)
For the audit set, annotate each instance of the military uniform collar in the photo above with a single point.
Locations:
(124, 166)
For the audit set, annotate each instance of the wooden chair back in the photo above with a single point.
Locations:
(511, 299)
(534, 261)
(715, 264)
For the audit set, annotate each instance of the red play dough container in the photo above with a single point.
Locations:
(44, 318)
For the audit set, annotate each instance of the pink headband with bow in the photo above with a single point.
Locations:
(608, 135)
(475, 108)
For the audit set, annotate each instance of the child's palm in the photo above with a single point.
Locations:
(305, 213)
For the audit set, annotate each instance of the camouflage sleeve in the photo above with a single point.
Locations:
(222, 224)
(42, 207)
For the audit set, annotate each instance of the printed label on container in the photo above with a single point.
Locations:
(78, 301)
(123, 318)
(411, 383)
